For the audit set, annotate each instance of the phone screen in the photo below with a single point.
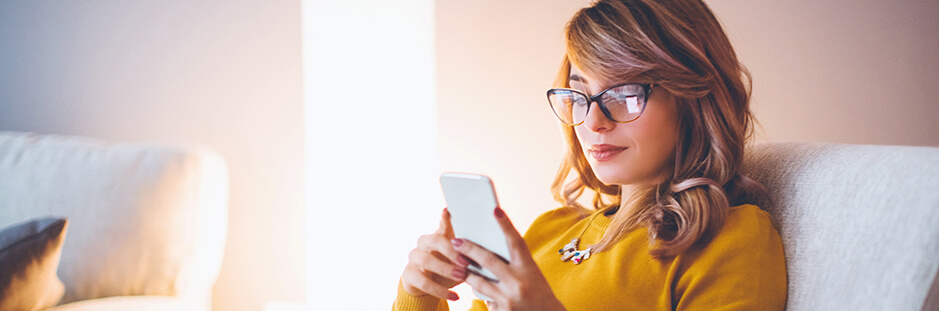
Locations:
(471, 200)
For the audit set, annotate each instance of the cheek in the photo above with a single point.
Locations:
(583, 135)
(659, 130)
(661, 142)
(657, 136)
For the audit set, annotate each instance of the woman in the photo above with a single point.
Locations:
(655, 108)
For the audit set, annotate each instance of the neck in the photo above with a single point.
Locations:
(627, 192)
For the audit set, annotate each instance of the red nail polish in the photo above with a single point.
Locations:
(458, 274)
(499, 213)
(456, 242)
(463, 261)
(453, 296)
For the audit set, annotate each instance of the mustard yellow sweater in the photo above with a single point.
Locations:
(742, 268)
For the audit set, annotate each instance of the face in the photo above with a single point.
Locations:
(627, 154)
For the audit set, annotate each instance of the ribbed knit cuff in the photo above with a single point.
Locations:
(407, 302)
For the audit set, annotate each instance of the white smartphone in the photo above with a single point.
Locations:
(471, 200)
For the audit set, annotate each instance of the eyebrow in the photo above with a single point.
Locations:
(577, 78)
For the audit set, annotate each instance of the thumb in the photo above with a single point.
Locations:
(445, 228)
(517, 246)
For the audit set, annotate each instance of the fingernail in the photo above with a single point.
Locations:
(458, 273)
(500, 213)
(453, 296)
(463, 261)
(456, 242)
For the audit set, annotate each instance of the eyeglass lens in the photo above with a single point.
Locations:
(623, 104)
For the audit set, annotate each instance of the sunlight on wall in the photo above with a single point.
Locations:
(371, 146)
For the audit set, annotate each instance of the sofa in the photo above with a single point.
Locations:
(860, 224)
(146, 222)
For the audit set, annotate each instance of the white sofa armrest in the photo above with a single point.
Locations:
(860, 223)
(136, 303)
(145, 219)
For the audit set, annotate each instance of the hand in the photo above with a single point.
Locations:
(434, 266)
(521, 285)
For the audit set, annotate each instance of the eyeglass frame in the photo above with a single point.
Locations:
(646, 87)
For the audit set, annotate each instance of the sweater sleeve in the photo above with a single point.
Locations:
(408, 302)
(742, 268)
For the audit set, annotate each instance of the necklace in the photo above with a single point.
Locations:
(570, 251)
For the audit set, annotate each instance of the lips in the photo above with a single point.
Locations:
(605, 152)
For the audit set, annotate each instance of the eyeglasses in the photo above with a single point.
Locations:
(621, 103)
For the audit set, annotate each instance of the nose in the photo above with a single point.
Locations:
(596, 121)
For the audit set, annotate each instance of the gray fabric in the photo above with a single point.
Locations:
(29, 257)
(860, 223)
(932, 301)
(28, 229)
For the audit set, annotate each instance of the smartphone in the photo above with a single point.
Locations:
(471, 200)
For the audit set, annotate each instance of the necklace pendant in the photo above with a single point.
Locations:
(570, 252)
(580, 256)
(572, 246)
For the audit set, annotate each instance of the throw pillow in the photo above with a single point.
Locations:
(29, 258)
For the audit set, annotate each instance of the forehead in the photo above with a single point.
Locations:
(577, 75)
(578, 79)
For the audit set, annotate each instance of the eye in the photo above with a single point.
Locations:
(579, 100)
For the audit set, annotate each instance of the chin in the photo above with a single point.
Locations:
(610, 175)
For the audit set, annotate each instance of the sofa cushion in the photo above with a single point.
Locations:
(29, 256)
(135, 303)
(860, 224)
(146, 218)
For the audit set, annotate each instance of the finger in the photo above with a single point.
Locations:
(482, 256)
(441, 227)
(445, 227)
(484, 287)
(422, 282)
(517, 246)
(436, 265)
(437, 243)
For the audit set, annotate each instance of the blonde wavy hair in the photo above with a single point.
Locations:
(680, 47)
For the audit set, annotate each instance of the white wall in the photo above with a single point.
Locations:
(372, 146)
(861, 72)
(222, 73)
